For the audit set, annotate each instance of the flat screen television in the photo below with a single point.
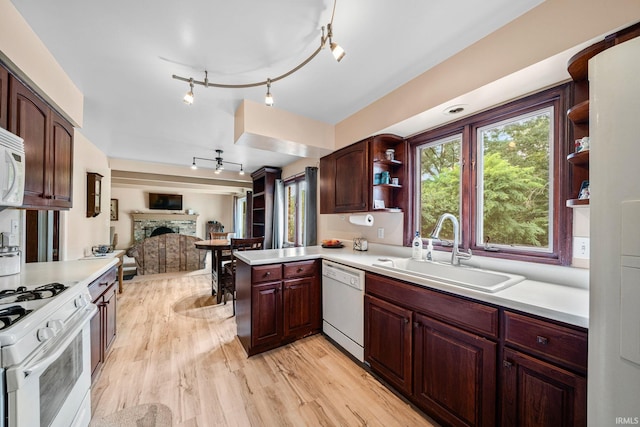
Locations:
(172, 202)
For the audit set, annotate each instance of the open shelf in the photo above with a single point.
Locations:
(579, 113)
(577, 203)
(581, 158)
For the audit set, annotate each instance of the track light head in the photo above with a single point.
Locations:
(268, 99)
(188, 97)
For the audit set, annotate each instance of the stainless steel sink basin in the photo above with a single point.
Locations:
(468, 277)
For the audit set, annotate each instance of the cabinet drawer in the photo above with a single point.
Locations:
(266, 273)
(101, 284)
(469, 315)
(559, 343)
(300, 269)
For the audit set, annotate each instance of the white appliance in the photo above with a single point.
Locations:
(343, 306)
(614, 319)
(11, 169)
(45, 355)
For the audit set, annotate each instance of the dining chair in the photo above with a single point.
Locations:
(216, 235)
(246, 244)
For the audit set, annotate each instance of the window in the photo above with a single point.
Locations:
(514, 176)
(440, 179)
(240, 216)
(295, 189)
(497, 173)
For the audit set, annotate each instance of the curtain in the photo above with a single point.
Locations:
(311, 207)
(279, 216)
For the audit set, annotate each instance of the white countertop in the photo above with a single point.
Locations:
(40, 273)
(561, 302)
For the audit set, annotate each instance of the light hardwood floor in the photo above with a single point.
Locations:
(177, 348)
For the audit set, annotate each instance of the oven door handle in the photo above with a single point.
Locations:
(36, 365)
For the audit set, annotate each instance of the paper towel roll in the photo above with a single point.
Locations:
(362, 220)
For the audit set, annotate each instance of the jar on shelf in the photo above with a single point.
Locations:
(390, 154)
(385, 178)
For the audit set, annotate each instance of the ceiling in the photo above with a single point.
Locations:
(122, 54)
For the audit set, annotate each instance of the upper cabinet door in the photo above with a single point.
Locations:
(29, 119)
(4, 98)
(352, 178)
(48, 146)
(61, 162)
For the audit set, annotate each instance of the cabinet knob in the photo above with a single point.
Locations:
(406, 320)
(507, 364)
(542, 340)
(416, 324)
(300, 269)
(268, 273)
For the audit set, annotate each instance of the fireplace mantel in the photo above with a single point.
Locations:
(145, 223)
(163, 217)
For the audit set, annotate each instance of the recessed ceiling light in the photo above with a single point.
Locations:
(454, 109)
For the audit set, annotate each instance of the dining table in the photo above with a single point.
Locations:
(220, 252)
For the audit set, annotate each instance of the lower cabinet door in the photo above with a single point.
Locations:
(299, 313)
(266, 318)
(110, 308)
(454, 373)
(536, 393)
(388, 342)
(96, 340)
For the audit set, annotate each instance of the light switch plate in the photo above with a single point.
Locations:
(581, 247)
(380, 233)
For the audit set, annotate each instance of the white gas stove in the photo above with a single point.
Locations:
(45, 354)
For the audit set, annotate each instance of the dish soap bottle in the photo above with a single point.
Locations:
(416, 247)
(429, 256)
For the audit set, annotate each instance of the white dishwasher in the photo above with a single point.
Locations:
(343, 306)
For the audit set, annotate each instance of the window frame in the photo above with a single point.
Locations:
(299, 220)
(468, 126)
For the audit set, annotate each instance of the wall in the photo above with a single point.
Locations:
(79, 233)
(26, 55)
(209, 207)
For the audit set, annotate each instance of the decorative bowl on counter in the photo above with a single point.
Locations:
(332, 243)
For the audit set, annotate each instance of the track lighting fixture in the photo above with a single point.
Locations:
(219, 166)
(268, 99)
(188, 97)
(337, 51)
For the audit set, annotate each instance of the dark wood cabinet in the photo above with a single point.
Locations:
(277, 303)
(544, 369)
(94, 194)
(536, 393)
(267, 318)
(360, 177)
(48, 144)
(454, 373)
(103, 324)
(389, 342)
(264, 180)
(302, 299)
(438, 350)
(61, 175)
(4, 98)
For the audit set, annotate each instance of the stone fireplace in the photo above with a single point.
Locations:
(145, 224)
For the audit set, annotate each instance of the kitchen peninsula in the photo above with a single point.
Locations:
(415, 328)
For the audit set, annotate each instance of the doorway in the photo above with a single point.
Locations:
(42, 236)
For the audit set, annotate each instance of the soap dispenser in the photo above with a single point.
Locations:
(416, 246)
(429, 256)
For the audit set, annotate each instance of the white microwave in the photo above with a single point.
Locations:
(11, 169)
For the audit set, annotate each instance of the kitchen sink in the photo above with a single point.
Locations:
(468, 277)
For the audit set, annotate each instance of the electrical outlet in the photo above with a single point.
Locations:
(581, 247)
(14, 226)
(380, 233)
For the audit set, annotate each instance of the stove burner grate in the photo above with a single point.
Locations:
(22, 294)
(10, 315)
